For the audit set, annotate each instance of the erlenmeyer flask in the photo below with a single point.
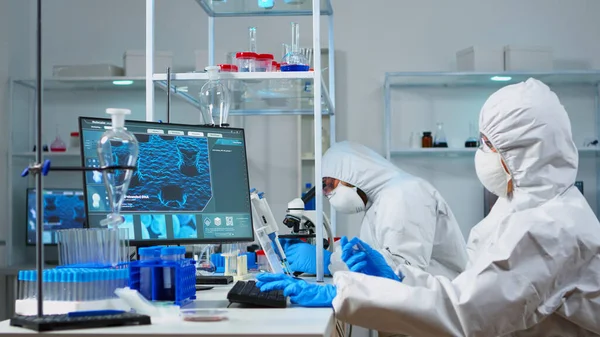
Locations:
(294, 60)
(214, 99)
(473, 140)
(440, 137)
(205, 265)
(117, 147)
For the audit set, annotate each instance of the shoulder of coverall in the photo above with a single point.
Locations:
(360, 166)
(531, 130)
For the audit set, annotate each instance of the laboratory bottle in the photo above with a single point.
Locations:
(440, 136)
(473, 140)
(426, 140)
(214, 99)
(117, 147)
(294, 60)
(205, 266)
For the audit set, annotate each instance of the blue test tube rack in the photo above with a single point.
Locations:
(185, 279)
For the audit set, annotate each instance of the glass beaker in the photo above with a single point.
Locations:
(214, 99)
(439, 139)
(117, 147)
(58, 145)
(204, 266)
(294, 60)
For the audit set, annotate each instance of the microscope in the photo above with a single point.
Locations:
(302, 222)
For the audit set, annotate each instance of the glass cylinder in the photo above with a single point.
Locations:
(117, 147)
(252, 39)
(214, 99)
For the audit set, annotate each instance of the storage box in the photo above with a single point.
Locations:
(481, 59)
(134, 62)
(528, 58)
(89, 70)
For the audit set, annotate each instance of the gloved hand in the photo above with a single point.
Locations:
(361, 258)
(302, 257)
(299, 291)
(285, 243)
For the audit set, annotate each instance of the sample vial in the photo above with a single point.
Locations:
(426, 140)
(246, 61)
(168, 254)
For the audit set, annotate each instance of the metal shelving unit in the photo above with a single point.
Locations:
(247, 8)
(469, 80)
(411, 80)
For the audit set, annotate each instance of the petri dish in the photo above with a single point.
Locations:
(203, 315)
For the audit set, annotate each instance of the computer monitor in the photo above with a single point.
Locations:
(191, 183)
(63, 209)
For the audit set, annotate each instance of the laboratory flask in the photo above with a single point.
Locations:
(117, 147)
(440, 137)
(214, 99)
(294, 60)
(473, 140)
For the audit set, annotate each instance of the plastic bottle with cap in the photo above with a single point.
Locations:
(169, 254)
(214, 99)
(117, 147)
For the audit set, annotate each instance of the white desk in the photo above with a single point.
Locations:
(296, 322)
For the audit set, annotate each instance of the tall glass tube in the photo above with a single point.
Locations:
(252, 39)
(295, 37)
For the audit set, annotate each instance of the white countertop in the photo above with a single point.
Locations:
(291, 321)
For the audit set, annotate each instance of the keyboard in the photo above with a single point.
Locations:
(247, 293)
(212, 280)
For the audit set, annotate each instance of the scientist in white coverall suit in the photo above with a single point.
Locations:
(405, 218)
(534, 261)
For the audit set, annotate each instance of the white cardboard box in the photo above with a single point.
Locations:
(528, 58)
(134, 62)
(481, 59)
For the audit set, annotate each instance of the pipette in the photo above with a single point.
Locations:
(266, 219)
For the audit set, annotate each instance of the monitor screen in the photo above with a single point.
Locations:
(191, 183)
(63, 209)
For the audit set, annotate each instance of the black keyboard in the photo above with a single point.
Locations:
(215, 279)
(246, 292)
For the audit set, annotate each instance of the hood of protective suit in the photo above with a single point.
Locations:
(360, 166)
(531, 130)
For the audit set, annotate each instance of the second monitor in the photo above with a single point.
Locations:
(191, 184)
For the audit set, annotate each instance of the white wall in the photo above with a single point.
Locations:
(387, 35)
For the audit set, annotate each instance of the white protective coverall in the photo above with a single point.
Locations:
(406, 219)
(534, 266)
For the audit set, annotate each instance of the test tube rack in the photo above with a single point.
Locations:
(185, 279)
(219, 261)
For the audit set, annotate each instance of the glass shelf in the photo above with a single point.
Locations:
(473, 79)
(465, 152)
(67, 154)
(238, 8)
(277, 93)
(86, 83)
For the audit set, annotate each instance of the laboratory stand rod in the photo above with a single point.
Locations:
(168, 94)
(149, 60)
(211, 41)
(332, 136)
(39, 205)
(316, 21)
(387, 119)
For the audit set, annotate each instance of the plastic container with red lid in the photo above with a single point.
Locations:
(246, 61)
(261, 260)
(264, 62)
(74, 140)
(228, 68)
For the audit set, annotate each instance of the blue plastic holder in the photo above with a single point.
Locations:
(183, 290)
(219, 261)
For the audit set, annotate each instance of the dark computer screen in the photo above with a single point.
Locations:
(63, 209)
(190, 186)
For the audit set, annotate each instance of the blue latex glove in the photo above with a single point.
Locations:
(302, 257)
(361, 258)
(299, 291)
(285, 243)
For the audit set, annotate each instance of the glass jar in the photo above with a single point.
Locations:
(264, 62)
(427, 140)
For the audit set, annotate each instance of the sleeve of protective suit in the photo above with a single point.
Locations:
(405, 223)
(511, 287)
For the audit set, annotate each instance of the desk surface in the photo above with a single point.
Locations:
(292, 321)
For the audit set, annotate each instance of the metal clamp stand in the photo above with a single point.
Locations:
(40, 169)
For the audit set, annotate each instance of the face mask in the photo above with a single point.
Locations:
(346, 200)
(491, 173)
